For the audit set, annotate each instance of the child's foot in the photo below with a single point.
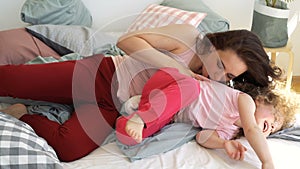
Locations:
(15, 110)
(134, 128)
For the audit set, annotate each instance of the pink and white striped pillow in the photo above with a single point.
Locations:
(158, 15)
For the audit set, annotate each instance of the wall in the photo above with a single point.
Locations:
(238, 12)
(10, 14)
(294, 33)
(117, 16)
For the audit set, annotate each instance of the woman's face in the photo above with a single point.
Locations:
(223, 65)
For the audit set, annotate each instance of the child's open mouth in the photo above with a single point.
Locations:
(266, 126)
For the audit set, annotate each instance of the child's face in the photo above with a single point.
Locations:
(265, 118)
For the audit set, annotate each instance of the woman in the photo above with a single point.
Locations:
(98, 85)
(241, 53)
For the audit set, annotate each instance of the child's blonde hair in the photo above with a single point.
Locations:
(286, 103)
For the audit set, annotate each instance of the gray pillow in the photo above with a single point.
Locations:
(65, 39)
(22, 148)
(213, 22)
(168, 138)
(59, 12)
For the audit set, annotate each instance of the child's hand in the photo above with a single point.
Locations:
(235, 149)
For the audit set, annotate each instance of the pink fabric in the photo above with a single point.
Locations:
(157, 16)
(166, 92)
(17, 46)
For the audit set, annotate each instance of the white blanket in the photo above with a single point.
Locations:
(190, 156)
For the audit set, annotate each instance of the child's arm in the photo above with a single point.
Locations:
(211, 139)
(252, 132)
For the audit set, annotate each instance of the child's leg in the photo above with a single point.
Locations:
(165, 93)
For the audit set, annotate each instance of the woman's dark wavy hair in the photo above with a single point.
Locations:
(249, 48)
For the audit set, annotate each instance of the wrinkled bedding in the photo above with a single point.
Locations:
(169, 138)
(190, 156)
(173, 147)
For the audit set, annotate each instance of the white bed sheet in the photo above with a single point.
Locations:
(190, 156)
(285, 154)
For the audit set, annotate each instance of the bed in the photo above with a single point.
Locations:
(49, 39)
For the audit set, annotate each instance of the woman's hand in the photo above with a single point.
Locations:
(194, 75)
(199, 77)
(234, 149)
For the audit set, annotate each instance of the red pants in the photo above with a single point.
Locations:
(164, 94)
(85, 83)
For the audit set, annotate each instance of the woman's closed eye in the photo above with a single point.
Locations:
(230, 76)
(220, 64)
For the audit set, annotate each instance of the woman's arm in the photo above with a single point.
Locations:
(142, 45)
(211, 139)
(252, 132)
